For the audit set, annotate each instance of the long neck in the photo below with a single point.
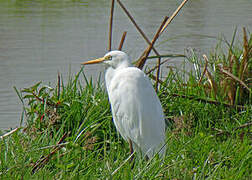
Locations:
(111, 71)
(108, 76)
(123, 64)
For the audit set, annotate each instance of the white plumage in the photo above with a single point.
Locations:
(136, 109)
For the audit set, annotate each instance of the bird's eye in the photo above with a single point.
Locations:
(109, 58)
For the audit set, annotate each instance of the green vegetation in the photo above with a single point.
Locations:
(69, 132)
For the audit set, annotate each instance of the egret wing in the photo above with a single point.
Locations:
(136, 109)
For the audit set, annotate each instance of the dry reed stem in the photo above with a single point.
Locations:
(111, 24)
(122, 41)
(244, 125)
(173, 15)
(205, 68)
(222, 132)
(9, 133)
(209, 77)
(140, 63)
(234, 77)
(212, 83)
(143, 58)
(40, 163)
(51, 146)
(135, 24)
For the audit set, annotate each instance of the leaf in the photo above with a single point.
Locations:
(70, 165)
(34, 87)
(28, 96)
(66, 103)
(19, 95)
(49, 88)
(27, 90)
(31, 101)
(42, 90)
(60, 166)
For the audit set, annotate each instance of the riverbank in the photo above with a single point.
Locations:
(69, 133)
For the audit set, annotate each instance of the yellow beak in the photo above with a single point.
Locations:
(99, 60)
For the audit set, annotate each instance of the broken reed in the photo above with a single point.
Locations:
(141, 61)
(227, 77)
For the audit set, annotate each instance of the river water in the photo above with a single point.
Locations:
(39, 38)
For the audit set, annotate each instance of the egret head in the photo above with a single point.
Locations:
(112, 59)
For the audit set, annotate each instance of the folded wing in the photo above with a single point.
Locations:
(137, 111)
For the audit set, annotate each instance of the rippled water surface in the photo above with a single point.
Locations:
(40, 38)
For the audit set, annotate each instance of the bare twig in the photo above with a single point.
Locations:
(163, 27)
(244, 125)
(173, 15)
(234, 77)
(209, 77)
(142, 60)
(212, 83)
(222, 132)
(9, 133)
(122, 40)
(52, 146)
(111, 24)
(40, 163)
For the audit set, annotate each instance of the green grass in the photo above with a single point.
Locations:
(205, 140)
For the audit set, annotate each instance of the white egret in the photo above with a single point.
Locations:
(136, 109)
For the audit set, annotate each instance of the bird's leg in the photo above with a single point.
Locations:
(130, 146)
(131, 152)
(146, 158)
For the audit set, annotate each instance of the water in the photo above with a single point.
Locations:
(39, 39)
